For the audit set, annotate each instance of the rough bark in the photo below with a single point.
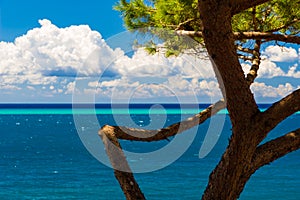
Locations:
(248, 128)
(274, 149)
(122, 170)
(276, 114)
(243, 155)
(229, 177)
(283, 108)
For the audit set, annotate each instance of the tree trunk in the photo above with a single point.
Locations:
(234, 170)
(244, 154)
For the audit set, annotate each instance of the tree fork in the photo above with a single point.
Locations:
(250, 126)
(277, 148)
(111, 134)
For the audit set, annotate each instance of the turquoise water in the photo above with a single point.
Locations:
(65, 111)
(42, 157)
(102, 111)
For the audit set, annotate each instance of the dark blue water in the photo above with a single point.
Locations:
(42, 157)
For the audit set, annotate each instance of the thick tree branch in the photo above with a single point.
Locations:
(220, 44)
(277, 148)
(278, 112)
(122, 171)
(267, 36)
(120, 165)
(125, 133)
(238, 6)
(250, 36)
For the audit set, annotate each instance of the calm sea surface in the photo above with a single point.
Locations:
(42, 157)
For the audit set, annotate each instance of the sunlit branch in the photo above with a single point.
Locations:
(245, 58)
(125, 133)
(251, 76)
(246, 50)
(191, 34)
(110, 136)
(267, 36)
(250, 36)
(121, 167)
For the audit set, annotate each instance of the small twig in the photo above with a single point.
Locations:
(183, 23)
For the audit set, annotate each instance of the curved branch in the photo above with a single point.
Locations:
(238, 6)
(133, 134)
(184, 23)
(122, 171)
(121, 167)
(277, 148)
(285, 25)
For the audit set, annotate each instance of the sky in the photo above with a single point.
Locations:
(64, 51)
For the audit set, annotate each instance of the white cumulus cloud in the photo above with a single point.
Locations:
(280, 54)
(142, 64)
(294, 71)
(269, 69)
(263, 90)
(53, 51)
(46, 60)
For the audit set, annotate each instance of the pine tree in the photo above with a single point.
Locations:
(232, 32)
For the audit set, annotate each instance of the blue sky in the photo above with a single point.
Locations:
(17, 17)
(64, 51)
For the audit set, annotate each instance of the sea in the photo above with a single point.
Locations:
(43, 155)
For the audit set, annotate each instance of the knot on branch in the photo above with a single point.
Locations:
(108, 132)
